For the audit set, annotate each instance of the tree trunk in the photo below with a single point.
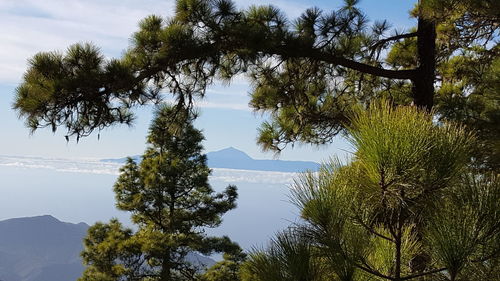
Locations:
(165, 274)
(397, 270)
(423, 83)
(166, 265)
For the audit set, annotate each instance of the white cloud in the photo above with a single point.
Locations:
(94, 166)
(247, 176)
(61, 165)
(31, 26)
(224, 105)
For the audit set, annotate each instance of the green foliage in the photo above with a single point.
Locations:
(403, 146)
(326, 210)
(470, 95)
(79, 90)
(403, 54)
(226, 270)
(410, 205)
(171, 203)
(106, 244)
(307, 73)
(290, 257)
(407, 207)
(465, 230)
(307, 110)
(463, 23)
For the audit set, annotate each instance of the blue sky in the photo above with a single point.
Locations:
(30, 26)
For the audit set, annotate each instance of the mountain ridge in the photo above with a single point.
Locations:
(232, 158)
(43, 248)
(40, 248)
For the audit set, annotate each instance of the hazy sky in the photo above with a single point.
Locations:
(30, 26)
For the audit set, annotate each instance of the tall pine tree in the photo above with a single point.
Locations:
(171, 203)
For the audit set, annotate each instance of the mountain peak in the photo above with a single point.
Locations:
(232, 158)
(45, 217)
(230, 149)
(230, 153)
(42, 218)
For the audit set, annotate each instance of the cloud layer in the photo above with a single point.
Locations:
(108, 168)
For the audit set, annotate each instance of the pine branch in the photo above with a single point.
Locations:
(371, 230)
(422, 274)
(372, 271)
(321, 55)
(382, 42)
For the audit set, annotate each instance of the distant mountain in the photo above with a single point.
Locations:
(232, 158)
(45, 249)
(40, 249)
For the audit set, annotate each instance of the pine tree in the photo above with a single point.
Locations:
(226, 270)
(171, 203)
(407, 207)
(306, 73)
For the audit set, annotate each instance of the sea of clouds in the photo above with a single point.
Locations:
(95, 166)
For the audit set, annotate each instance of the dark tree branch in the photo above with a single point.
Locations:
(372, 271)
(320, 55)
(382, 42)
(422, 274)
(372, 231)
